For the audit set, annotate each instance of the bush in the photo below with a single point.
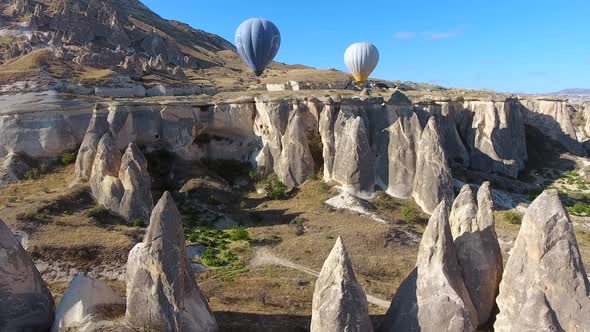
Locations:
(68, 158)
(409, 214)
(98, 213)
(511, 217)
(579, 208)
(275, 189)
(137, 222)
(32, 174)
(239, 233)
(297, 225)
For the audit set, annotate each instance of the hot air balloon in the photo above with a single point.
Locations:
(361, 59)
(258, 41)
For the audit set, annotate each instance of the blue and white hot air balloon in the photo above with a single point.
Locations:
(361, 59)
(258, 41)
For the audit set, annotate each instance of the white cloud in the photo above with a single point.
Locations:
(404, 35)
(440, 35)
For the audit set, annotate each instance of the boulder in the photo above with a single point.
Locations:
(104, 182)
(84, 303)
(25, 302)
(14, 168)
(137, 199)
(162, 294)
(85, 159)
(404, 136)
(433, 180)
(544, 286)
(434, 297)
(339, 302)
(478, 249)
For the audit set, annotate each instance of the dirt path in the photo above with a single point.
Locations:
(263, 256)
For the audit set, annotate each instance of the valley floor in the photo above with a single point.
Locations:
(270, 279)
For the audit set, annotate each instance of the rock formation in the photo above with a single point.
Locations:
(353, 164)
(552, 117)
(133, 174)
(545, 286)
(85, 159)
(13, 168)
(478, 250)
(104, 182)
(496, 137)
(162, 294)
(432, 182)
(83, 304)
(339, 302)
(434, 296)
(121, 184)
(404, 136)
(295, 163)
(25, 302)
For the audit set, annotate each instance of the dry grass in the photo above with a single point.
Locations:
(380, 264)
(94, 75)
(31, 61)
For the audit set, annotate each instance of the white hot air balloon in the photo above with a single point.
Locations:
(361, 59)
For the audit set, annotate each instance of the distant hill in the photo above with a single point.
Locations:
(573, 91)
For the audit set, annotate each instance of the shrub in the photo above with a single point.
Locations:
(579, 208)
(297, 225)
(243, 205)
(98, 213)
(68, 158)
(239, 233)
(32, 174)
(409, 214)
(275, 189)
(511, 217)
(137, 222)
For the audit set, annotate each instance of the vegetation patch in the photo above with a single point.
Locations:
(275, 189)
(223, 246)
(511, 217)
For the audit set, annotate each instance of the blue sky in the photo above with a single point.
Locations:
(517, 46)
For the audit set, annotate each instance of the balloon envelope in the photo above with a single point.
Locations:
(258, 41)
(361, 59)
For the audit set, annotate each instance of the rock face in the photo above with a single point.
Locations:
(478, 250)
(496, 137)
(433, 181)
(83, 303)
(434, 296)
(339, 302)
(13, 168)
(544, 286)
(25, 302)
(552, 117)
(137, 198)
(162, 294)
(404, 137)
